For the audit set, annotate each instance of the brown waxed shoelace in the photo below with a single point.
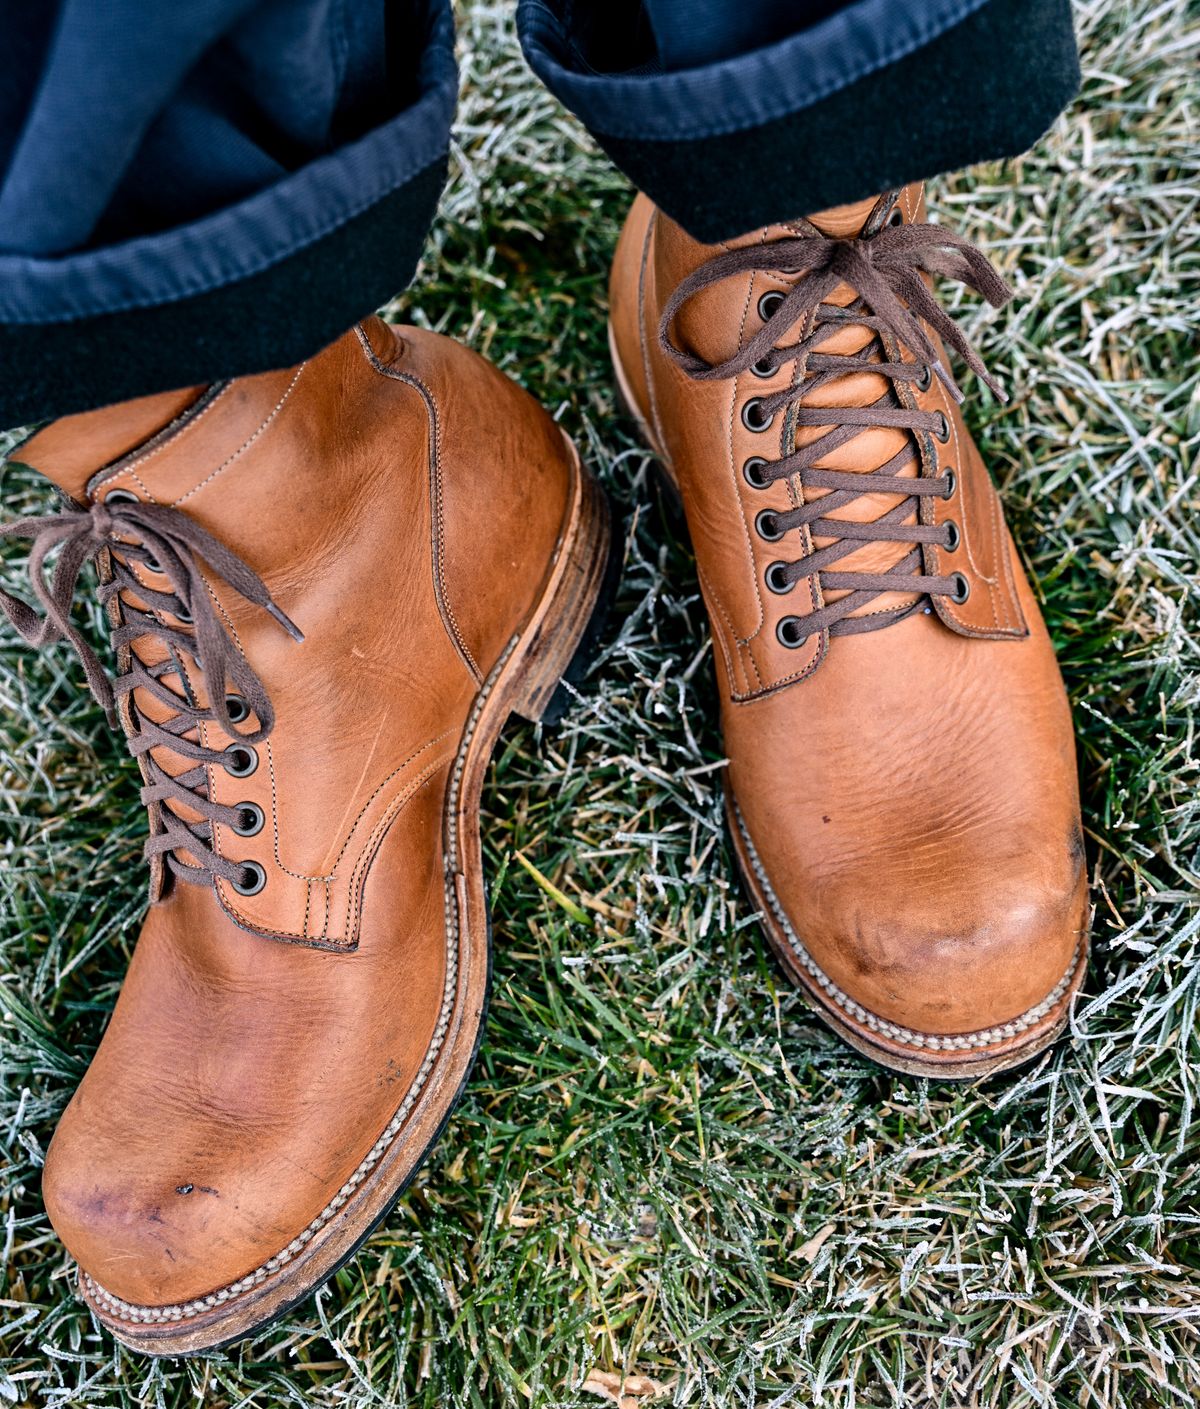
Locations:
(884, 270)
(165, 540)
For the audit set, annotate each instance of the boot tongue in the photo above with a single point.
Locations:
(872, 447)
(70, 450)
(844, 222)
(713, 323)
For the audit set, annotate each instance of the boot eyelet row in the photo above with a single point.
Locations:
(250, 819)
(752, 417)
(790, 633)
(127, 496)
(250, 879)
(240, 761)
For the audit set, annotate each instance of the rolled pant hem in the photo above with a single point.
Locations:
(982, 89)
(265, 282)
(273, 318)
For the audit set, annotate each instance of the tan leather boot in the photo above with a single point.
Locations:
(901, 783)
(330, 586)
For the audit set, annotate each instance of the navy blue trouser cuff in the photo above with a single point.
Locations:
(870, 96)
(198, 191)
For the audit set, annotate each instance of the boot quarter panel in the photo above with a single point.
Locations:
(359, 528)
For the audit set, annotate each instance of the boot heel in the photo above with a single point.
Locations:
(565, 633)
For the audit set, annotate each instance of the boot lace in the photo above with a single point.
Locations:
(121, 531)
(884, 272)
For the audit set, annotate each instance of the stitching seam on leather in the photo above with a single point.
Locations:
(435, 474)
(717, 636)
(1001, 550)
(326, 876)
(643, 345)
(167, 436)
(247, 443)
(786, 680)
(367, 856)
(734, 476)
(980, 575)
(395, 807)
(1013, 610)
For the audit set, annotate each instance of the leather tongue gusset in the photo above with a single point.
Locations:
(847, 222)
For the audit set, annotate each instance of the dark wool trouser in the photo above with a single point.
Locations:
(207, 188)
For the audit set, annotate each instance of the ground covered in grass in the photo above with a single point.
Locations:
(665, 1171)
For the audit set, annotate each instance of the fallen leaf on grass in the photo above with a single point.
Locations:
(627, 1393)
(807, 1251)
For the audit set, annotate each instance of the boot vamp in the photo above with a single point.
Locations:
(913, 807)
(242, 1081)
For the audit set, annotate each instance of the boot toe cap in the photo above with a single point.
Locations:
(962, 981)
(985, 962)
(153, 1224)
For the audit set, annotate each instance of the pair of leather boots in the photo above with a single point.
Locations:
(330, 586)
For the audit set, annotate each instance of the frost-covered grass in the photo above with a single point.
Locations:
(665, 1168)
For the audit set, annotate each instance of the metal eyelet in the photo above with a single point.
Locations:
(766, 525)
(942, 429)
(763, 368)
(151, 563)
(787, 630)
(951, 484)
(925, 380)
(896, 217)
(776, 580)
(750, 472)
(751, 419)
(962, 588)
(121, 496)
(251, 879)
(240, 761)
(250, 820)
(953, 537)
(237, 709)
(182, 614)
(770, 304)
